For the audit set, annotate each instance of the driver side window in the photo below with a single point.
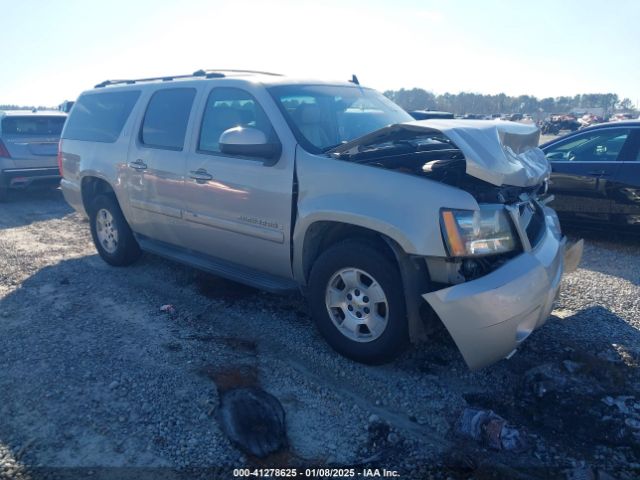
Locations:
(227, 108)
(601, 146)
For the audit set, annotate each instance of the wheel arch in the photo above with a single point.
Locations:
(90, 187)
(321, 235)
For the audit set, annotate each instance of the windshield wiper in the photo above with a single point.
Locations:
(331, 147)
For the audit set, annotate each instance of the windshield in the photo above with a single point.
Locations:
(324, 116)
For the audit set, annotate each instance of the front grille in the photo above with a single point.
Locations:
(531, 221)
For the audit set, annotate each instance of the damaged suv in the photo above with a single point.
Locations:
(385, 223)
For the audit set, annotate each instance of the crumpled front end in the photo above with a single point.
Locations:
(496, 152)
(490, 316)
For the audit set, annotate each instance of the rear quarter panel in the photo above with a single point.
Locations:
(104, 160)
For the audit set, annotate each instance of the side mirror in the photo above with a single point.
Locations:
(248, 142)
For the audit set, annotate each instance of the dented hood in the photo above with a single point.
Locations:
(498, 152)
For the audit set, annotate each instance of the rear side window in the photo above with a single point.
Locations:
(33, 125)
(99, 117)
(166, 118)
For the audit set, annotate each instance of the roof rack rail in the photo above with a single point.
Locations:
(209, 73)
(229, 70)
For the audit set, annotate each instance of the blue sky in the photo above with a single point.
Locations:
(52, 51)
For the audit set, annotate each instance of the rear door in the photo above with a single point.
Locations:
(584, 167)
(32, 140)
(157, 163)
(625, 186)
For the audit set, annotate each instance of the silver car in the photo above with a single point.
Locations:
(29, 148)
(386, 224)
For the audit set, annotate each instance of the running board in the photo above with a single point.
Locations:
(216, 266)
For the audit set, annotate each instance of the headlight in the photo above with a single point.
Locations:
(483, 232)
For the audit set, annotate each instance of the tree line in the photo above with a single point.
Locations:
(478, 103)
(25, 107)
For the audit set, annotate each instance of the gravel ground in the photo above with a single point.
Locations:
(95, 380)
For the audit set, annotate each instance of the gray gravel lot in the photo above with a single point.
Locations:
(93, 375)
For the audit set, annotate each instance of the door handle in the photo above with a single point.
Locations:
(138, 165)
(201, 175)
(598, 173)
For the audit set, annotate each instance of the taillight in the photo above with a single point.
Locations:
(60, 157)
(3, 151)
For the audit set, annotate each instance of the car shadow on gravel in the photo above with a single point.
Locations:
(24, 207)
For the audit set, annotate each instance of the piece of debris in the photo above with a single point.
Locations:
(563, 313)
(619, 402)
(253, 420)
(633, 423)
(492, 430)
(581, 473)
(543, 379)
(571, 366)
(378, 430)
(169, 310)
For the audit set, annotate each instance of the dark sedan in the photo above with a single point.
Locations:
(596, 174)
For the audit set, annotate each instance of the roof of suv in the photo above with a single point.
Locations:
(250, 76)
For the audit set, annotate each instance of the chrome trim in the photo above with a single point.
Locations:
(521, 220)
(514, 211)
(26, 170)
(547, 199)
(155, 207)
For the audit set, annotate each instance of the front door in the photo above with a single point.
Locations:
(157, 164)
(584, 167)
(239, 209)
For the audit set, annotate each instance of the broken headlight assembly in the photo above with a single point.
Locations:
(468, 233)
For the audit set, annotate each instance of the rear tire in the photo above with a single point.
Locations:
(357, 302)
(111, 233)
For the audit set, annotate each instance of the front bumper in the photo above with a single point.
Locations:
(489, 317)
(25, 177)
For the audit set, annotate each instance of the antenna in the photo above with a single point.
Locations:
(354, 79)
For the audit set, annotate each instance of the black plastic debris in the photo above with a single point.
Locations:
(253, 420)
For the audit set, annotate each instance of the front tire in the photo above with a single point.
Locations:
(111, 233)
(357, 302)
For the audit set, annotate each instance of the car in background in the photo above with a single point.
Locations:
(564, 122)
(621, 117)
(29, 148)
(430, 114)
(596, 175)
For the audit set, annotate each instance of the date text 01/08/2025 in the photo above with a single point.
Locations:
(315, 472)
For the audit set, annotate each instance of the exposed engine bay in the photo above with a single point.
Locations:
(436, 157)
